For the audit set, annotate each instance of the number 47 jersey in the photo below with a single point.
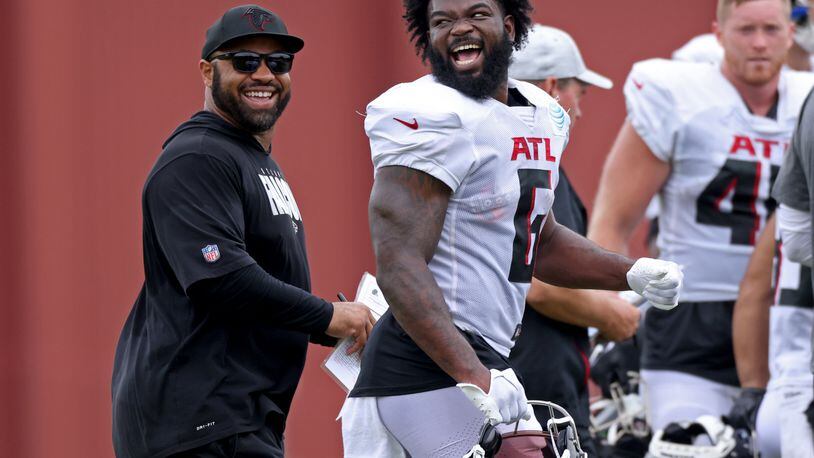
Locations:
(502, 164)
(723, 162)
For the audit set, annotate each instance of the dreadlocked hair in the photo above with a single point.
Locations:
(418, 24)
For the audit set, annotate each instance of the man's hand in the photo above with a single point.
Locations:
(744, 411)
(621, 320)
(351, 319)
(506, 401)
(657, 281)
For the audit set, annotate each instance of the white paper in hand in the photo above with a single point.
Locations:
(342, 367)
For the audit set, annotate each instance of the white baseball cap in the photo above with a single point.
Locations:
(552, 53)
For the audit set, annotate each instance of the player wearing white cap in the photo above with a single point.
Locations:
(709, 140)
(557, 318)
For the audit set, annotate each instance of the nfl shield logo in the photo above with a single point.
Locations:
(211, 253)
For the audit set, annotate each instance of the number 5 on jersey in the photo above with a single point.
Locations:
(528, 221)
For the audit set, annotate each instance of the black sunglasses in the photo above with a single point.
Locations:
(249, 62)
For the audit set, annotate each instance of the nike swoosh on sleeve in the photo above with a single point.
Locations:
(412, 125)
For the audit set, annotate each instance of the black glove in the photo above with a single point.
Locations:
(810, 414)
(613, 366)
(744, 412)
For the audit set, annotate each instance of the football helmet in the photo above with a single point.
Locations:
(489, 443)
(619, 419)
(706, 437)
(622, 414)
(559, 438)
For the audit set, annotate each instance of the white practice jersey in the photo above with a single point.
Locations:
(723, 160)
(792, 318)
(502, 165)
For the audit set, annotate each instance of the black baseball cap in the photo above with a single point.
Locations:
(245, 21)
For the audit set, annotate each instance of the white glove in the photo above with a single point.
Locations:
(476, 452)
(631, 296)
(657, 281)
(506, 401)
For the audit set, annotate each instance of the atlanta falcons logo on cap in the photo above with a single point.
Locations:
(258, 18)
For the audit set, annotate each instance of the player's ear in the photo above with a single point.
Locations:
(792, 31)
(548, 85)
(716, 30)
(207, 70)
(508, 26)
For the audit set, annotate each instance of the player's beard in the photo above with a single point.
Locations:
(495, 69)
(248, 119)
(759, 78)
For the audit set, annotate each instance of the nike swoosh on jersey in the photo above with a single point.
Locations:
(412, 125)
(638, 85)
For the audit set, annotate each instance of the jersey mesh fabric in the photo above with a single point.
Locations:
(791, 321)
(479, 149)
(491, 228)
(723, 160)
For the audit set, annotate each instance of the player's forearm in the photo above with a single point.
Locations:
(573, 306)
(418, 304)
(750, 338)
(569, 260)
(750, 318)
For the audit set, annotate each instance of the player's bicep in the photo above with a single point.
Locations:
(632, 175)
(407, 210)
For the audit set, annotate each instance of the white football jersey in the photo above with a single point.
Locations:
(723, 160)
(502, 165)
(792, 318)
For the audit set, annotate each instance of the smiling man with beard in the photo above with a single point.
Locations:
(213, 349)
(466, 161)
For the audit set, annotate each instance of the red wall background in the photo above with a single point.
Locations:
(90, 90)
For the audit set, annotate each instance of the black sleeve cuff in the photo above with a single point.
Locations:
(323, 339)
(320, 338)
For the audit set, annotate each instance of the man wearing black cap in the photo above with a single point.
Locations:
(213, 349)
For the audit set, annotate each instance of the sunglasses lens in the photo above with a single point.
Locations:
(246, 62)
(280, 62)
(249, 62)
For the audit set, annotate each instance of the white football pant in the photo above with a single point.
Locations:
(672, 396)
(782, 427)
(439, 423)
